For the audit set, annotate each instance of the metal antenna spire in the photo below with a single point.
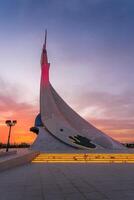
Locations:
(45, 43)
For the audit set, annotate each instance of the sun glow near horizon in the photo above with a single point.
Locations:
(90, 48)
(20, 132)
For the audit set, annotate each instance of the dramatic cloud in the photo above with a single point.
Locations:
(105, 105)
(90, 44)
(11, 108)
(112, 113)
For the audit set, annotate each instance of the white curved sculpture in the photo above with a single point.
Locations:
(63, 123)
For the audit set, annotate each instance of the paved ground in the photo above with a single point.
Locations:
(68, 182)
(19, 152)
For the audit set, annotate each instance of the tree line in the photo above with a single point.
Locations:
(21, 145)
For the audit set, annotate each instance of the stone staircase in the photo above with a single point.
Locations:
(84, 158)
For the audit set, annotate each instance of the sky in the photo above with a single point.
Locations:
(90, 47)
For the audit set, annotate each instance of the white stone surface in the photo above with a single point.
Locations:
(57, 115)
(62, 121)
(46, 142)
(82, 126)
(68, 182)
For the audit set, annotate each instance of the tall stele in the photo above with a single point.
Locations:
(59, 127)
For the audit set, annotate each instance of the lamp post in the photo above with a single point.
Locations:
(9, 123)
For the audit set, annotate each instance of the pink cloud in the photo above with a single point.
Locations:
(23, 112)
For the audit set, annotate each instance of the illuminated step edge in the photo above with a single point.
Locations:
(84, 158)
(80, 159)
(87, 155)
(83, 161)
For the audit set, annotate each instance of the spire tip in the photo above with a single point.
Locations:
(45, 43)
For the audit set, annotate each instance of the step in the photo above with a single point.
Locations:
(84, 158)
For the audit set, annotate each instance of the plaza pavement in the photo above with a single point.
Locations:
(68, 182)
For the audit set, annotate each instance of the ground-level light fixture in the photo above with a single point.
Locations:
(9, 123)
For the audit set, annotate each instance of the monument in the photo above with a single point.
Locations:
(59, 127)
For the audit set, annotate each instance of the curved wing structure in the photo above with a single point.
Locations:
(84, 127)
(63, 123)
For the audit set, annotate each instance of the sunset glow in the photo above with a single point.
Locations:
(91, 56)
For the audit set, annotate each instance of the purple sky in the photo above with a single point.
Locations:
(90, 48)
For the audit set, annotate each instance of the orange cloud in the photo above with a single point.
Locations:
(111, 113)
(95, 107)
(24, 113)
(121, 130)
